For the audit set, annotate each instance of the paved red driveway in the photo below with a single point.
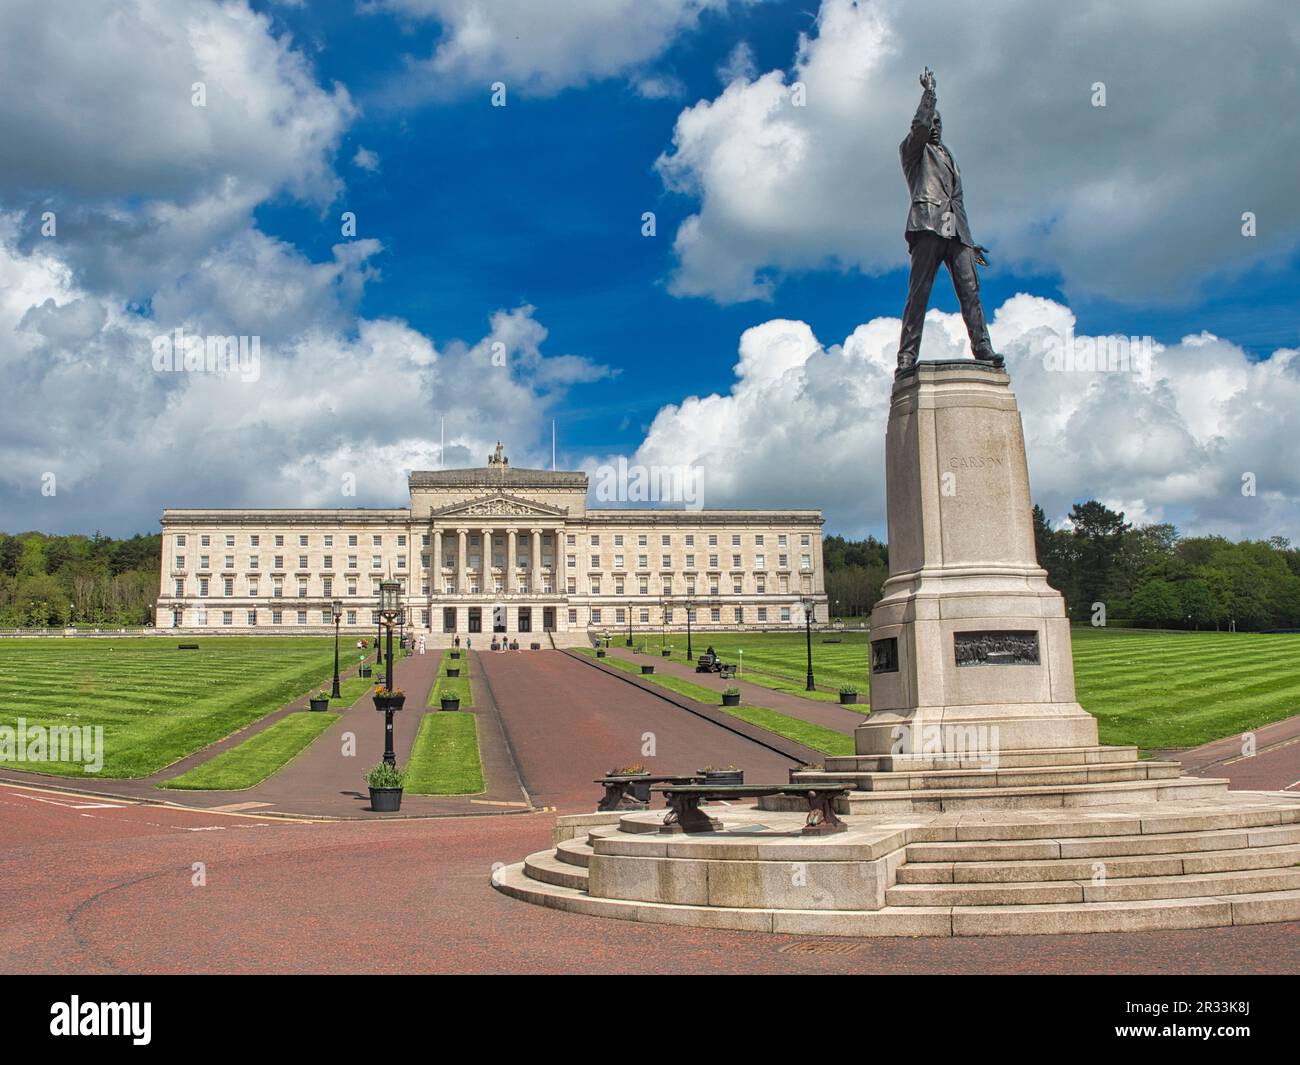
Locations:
(568, 723)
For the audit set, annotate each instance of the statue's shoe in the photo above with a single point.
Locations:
(993, 358)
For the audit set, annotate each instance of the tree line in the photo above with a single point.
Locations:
(1111, 570)
(97, 581)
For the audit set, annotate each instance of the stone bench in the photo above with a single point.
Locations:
(616, 795)
(684, 813)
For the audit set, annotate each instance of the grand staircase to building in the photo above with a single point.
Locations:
(1051, 841)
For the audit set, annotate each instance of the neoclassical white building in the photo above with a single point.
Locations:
(492, 549)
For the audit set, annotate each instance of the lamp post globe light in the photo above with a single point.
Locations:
(337, 608)
(390, 594)
(809, 604)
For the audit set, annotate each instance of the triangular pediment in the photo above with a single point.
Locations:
(500, 505)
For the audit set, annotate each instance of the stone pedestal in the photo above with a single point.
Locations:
(969, 644)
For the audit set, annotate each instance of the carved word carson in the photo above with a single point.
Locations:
(975, 462)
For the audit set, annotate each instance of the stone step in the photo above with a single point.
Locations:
(1123, 889)
(547, 869)
(1132, 865)
(995, 778)
(1102, 847)
(913, 763)
(1027, 919)
(574, 852)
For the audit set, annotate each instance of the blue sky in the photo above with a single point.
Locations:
(779, 235)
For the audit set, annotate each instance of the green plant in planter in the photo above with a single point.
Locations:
(384, 693)
(730, 691)
(720, 769)
(322, 695)
(628, 771)
(386, 776)
(848, 690)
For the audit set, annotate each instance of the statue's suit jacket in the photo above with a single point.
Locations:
(934, 180)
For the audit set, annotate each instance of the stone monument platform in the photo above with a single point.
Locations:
(981, 802)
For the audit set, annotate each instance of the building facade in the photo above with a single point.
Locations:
(492, 549)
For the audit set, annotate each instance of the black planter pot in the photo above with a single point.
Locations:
(647, 669)
(600, 654)
(535, 646)
(734, 776)
(453, 671)
(365, 671)
(385, 800)
(388, 702)
(848, 700)
(667, 654)
(730, 700)
(319, 704)
(451, 702)
(455, 654)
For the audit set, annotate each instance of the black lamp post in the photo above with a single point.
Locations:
(629, 622)
(809, 603)
(337, 608)
(379, 632)
(389, 607)
(690, 609)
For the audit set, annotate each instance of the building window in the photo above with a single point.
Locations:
(252, 562)
(276, 617)
(571, 562)
(740, 615)
(571, 585)
(665, 561)
(180, 588)
(737, 586)
(735, 562)
(377, 539)
(735, 539)
(302, 617)
(782, 561)
(645, 616)
(352, 586)
(762, 613)
(595, 616)
(715, 614)
(279, 539)
(302, 589)
(180, 539)
(302, 561)
(805, 562)
(758, 540)
(618, 540)
(644, 587)
(328, 562)
(595, 586)
(760, 586)
(376, 562)
(329, 540)
(713, 539)
(227, 617)
(302, 539)
(665, 540)
(618, 616)
(205, 540)
(640, 540)
(352, 561)
(573, 616)
(254, 541)
(780, 540)
(277, 588)
(618, 561)
(352, 617)
(180, 561)
(690, 539)
(252, 617)
(352, 540)
(401, 540)
(203, 587)
(401, 562)
(252, 589)
(642, 561)
(785, 613)
(760, 562)
(805, 540)
(279, 562)
(203, 562)
(327, 587)
(228, 586)
(713, 562)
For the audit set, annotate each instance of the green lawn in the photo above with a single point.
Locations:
(779, 660)
(819, 738)
(251, 762)
(1182, 689)
(459, 686)
(156, 704)
(445, 758)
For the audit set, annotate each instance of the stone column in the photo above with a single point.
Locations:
(485, 561)
(435, 575)
(512, 583)
(536, 575)
(967, 633)
(462, 560)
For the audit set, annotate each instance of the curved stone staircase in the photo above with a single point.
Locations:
(1093, 840)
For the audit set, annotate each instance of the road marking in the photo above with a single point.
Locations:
(500, 802)
(79, 805)
(236, 806)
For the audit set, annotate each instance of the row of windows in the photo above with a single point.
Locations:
(354, 617)
(594, 586)
(377, 539)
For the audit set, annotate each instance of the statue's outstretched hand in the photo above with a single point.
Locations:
(927, 80)
(981, 255)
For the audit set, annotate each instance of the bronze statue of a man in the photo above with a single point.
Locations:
(937, 232)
